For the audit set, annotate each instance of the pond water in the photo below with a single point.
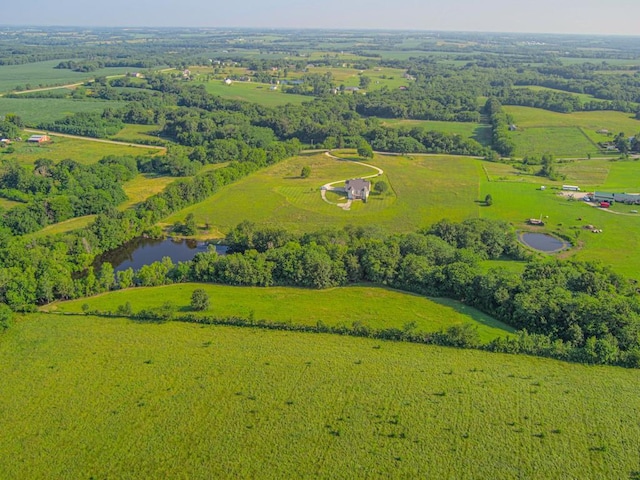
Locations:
(544, 242)
(144, 251)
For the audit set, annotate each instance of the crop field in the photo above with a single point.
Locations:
(254, 92)
(42, 74)
(423, 190)
(90, 397)
(480, 132)
(566, 134)
(374, 307)
(82, 151)
(37, 110)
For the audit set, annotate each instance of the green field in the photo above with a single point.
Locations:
(423, 190)
(43, 74)
(60, 148)
(566, 134)
(254, 92)
(35, 111)
(86, 397)
(480, 132)
(374, 307)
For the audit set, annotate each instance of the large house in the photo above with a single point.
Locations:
(357, 189)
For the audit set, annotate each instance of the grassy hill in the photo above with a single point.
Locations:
(373, 307)
(90, 397)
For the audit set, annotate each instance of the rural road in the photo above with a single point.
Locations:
(100, 140)
(328, 186)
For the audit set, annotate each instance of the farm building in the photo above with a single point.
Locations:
(571, 188)
(629, 198)
(38, 139)
(357, 189)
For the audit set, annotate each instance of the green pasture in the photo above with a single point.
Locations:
(423, 190)
(88, 397)
(617, 246)
(35, 111)
(142, 187)
(480, 132)
(43, 74)
(569, 134)
(584, 97)
(558, 141)
(64, 227)
(60, 148)
(374, 307)
(254, 92)
(136, 133)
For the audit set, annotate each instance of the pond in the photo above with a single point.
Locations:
(543, 242)
(144, 251)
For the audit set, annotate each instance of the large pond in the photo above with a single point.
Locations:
(544, 242)
(145, 251)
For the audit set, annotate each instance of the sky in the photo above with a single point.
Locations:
(619, 17)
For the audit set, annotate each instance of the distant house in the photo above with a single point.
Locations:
(5, 141)
(228, 81)
(512, 128)
(273, 87)
(38, 139)
(351, 89)
(357, 189)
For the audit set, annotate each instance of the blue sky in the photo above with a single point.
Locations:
(544, 16)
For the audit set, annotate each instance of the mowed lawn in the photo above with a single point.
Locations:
(423, 189)
(260, 93)
(566, 134)
(82, 151)
(87, 397)
(374, 307)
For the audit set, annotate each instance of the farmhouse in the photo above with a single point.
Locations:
(38, 139)
(357, 189)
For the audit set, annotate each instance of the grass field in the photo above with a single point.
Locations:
(37, 110)
(86, 397)
(42, 74)
(374, 307)
(60, 148)
(254, 92)
(142, 187)
(480, 132)
(136, 133)
(566, 134)
(423, 190)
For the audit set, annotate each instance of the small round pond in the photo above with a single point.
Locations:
(144, 251)
(543, 242)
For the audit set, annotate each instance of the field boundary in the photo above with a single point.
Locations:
(91, 139)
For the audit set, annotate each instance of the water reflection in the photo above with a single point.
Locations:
(144, 251)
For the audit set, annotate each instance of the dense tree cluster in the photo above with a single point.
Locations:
(500, 124)
(56, 192)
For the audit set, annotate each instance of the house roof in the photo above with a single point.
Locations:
(357, 184)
